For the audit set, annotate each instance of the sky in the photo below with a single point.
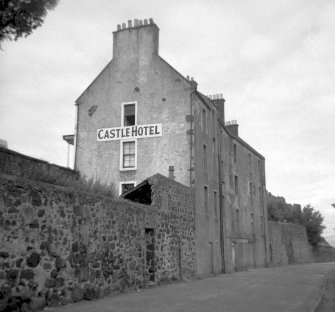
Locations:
(273, 60)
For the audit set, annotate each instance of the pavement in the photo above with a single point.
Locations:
(327, 303)
(293, 288)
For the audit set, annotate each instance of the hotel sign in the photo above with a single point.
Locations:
(131, 132)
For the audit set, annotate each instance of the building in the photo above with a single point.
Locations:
(140, 116)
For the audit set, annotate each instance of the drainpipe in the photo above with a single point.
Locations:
(222, 212)
(75, 136)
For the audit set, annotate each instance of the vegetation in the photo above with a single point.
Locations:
(311, 219)
(19, 18)
(83, 184)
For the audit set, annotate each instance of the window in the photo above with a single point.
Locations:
(204, 120)
(128, 155)
(250, 189)
(235, 152)
(126, 186)
(215, 204)
(214, 154)
(252, 219)
(205, 156)
(249, 159)
(237, 219)
(128, 114)
(206, 199)
(236, 184)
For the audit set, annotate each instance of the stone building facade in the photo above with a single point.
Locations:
(140, 116)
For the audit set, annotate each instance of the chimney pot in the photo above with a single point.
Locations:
(171, 172)
(151, 21)
(123, 25)
(130, 24)
(140, 22)
(188, 77)
(136, 22)
(145, 22)
(118, 27)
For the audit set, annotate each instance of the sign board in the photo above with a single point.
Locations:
(131, 132)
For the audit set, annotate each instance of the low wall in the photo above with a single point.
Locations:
(288, 244)
(59, 246)
(19, 165)
(323, 254)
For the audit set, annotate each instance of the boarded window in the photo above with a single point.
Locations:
(205, 156)
(236, 185)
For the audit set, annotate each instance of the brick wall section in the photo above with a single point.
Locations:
(16, 164)
(59, 246)
(288, 244)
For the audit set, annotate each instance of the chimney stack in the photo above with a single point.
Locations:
(138, 36)
(171, 172)
(232, 127)
(219, 102)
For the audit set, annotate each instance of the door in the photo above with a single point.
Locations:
(150, 253)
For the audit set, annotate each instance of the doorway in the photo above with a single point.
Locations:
(149, 236)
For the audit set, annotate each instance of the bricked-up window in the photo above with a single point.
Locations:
(215, 204)
(236, 184)
(204, 120)
(129, 114)
(235, 152)
(205, 156)
(128, 155)
(206, 199)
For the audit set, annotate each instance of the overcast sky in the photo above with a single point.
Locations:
(273, 60)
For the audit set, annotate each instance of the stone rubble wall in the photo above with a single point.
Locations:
(19, 165)
(59, 245)
(288, 244)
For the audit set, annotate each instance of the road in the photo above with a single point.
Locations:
(294, 288)
(328, 301)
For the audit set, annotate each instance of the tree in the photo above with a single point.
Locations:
(19, 18)
(312, 220)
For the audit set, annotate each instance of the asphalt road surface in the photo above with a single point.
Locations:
(328, 301)
(294, 288)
